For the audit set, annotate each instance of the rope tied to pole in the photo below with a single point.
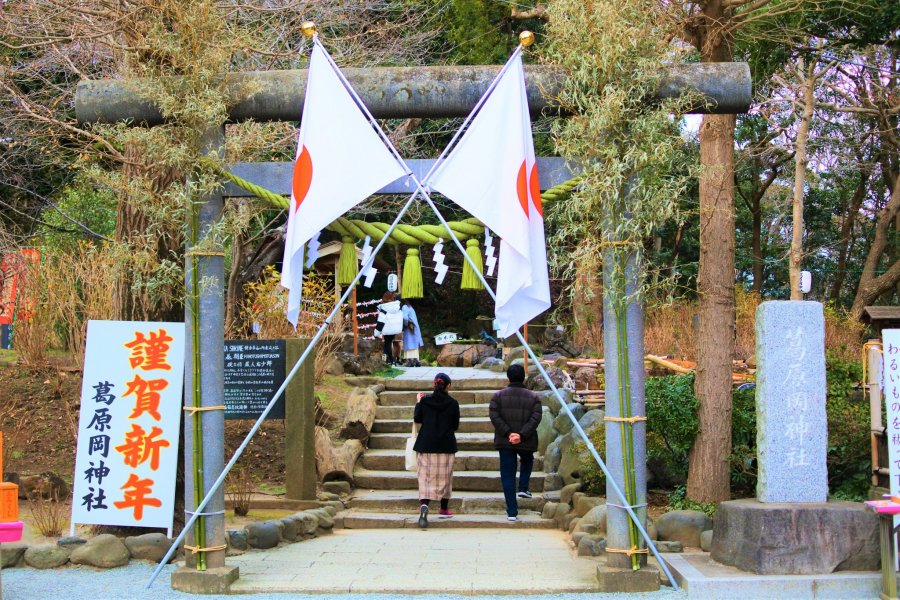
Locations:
(196, 409)
(197, 549)
(630, 420)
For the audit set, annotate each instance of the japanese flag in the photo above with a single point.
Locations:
(493, 175)
(341, 160)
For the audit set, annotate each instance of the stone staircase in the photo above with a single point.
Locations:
(386, 494)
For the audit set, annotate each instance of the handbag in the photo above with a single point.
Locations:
(412, 457)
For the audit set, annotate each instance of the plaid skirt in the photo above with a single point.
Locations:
(435, 473)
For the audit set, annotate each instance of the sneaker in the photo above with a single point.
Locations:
(512, 518)
(525, 494)
(423, 516)
(445, 513)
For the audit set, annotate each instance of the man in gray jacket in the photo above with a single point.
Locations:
(515, 412)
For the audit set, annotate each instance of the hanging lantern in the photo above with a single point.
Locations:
(412, 275)
(470, 280)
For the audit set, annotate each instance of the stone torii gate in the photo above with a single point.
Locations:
(398, 92)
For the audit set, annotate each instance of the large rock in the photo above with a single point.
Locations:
(309, 523)
(594, 520)
(150, 546)
(291, 529)
(591, 419)
(552, 456)
(552, 482)
(11, 554)
(337, 487)
(561, 379)
(46, 556)
(463, 355)
(105, 551)
(555, 342)
(364, 364)
(47, 485)
(549, 400)
(545, 431)
(237, 539)
(570, 460)
(795, 539)
(563, 423)
(326, 519)
(591, 545)
(568, 492)
(585, 378)
(585, 504)
(683, 526)
(263, 535)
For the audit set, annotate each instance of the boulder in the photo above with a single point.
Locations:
(594, 520)
(586, 503)
(549, 510)
(585, 378)
(463, 355)
(334, 365)
(492, 363)
(555, 342)
(237, 539)
(552, 457)
(309, 523)
(11, 554)
(591, 545)
(563, 423)
(46, 485)
(550, 401)
(545, 431)
(706, 540)
(337, 488)
(552, 482)
(514, 354)
(71, 542)
(562, 509)
(263, 535)
(105, 551)
(683, 526)
(46, 556)
(150, 546)
(570, 461)
(560, 378)
(565, 522)
(795, 539)
(331, 509)
(669, 546)
(327, 496)
(326, 520)
(568, 492)
(591, 420)
(364, 364)
(291, 529)
(573, 524)
(575, 497)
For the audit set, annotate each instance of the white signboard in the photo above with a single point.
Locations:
(130, 420)
(444, 338)
(890, 340)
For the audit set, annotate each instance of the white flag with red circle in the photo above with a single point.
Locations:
(341, 160)
(492, 174)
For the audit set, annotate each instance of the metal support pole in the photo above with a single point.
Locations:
(873, 384)
(616, 517)
(211, 317)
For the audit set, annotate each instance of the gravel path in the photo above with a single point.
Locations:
(127, 583)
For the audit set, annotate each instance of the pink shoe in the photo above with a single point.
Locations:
(445, 513)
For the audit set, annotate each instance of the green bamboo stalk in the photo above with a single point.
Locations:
(196, 396)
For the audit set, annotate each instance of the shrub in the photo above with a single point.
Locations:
(593, 481)
(671, 422)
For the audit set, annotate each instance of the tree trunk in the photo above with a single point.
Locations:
(336, 463)
(852, 211)
(709, 468)
(800, 162)
(360, 414)
(756, 243)
(870, 285)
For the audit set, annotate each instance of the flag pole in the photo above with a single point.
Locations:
(237, 453)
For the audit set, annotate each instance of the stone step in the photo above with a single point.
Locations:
(370, 520)
(465, 441)
(476, 481)
(406, 412)
(466, 425)
(471, 460)
(417, 380)
(407, 502)
(408, 398)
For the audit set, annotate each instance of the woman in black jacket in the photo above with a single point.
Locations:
(438, 414)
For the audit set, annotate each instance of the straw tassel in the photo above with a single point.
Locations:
(348, 266)
(470, 280)
(412, 275)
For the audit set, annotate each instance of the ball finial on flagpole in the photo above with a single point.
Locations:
(526, 38)
(308, 28)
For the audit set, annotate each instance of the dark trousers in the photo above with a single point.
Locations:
(508, 475)
(389, 348)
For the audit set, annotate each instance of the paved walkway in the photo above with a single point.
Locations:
(455, 373)
(446, 561)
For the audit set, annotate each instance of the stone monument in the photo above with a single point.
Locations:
(791, 528)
